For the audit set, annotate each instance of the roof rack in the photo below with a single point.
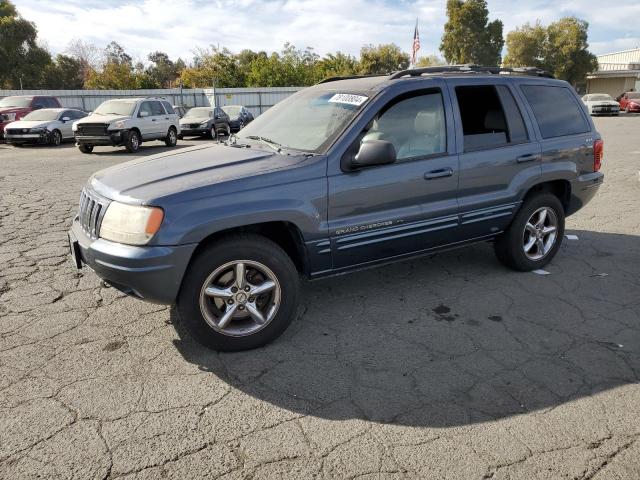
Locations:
(471, 68)
(347, 77)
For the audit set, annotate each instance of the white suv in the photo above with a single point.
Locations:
(128, 122)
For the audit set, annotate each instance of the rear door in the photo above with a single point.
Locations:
(499, 153)
(402, 208)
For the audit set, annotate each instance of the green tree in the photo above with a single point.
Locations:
(336, 65)
(567, 54)
(383, 59)
(20, 56)
(113, 76)
(526, 46)
(114, 53)
(212, 66)
(561, 48)
(163, 72)
(64, 72)
(430, 61)
(468, 36)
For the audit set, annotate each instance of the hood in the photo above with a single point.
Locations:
(29, 123)
(184, 120)
(97, 118)
(148, 179)
(14, 109)
(611, 103)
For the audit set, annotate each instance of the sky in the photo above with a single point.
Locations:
(177, 27)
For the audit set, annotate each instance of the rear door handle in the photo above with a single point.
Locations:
(442, 173)
(529, 157)
(153, 119)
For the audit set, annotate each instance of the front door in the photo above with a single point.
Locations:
(409, 206)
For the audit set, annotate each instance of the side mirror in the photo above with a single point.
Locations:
(143, 114)
(374, 152)
(65, 119)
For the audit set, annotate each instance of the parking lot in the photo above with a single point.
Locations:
(449, 366)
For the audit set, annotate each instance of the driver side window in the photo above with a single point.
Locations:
(414, 125)
(145, 107)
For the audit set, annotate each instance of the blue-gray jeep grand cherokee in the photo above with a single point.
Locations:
(346, 174)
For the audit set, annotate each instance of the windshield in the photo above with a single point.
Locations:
(309, 120)
(633, 95)
(232, 111)
(15, 102)
(42, 115)
(116, 107)
(600, 98)
(199, 112)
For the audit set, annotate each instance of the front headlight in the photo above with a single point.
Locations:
(204, 124)
(11, 117)
(130, 224)
(119, 124)
(36, 130)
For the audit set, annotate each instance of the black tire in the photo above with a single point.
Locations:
(171, 139)
(212, 134)
(85, 148)
(180, 137)
(253, 248)
(509, 246)
(132, 144)
(56, 138)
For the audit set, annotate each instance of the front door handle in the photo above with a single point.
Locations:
(153, 119)
(441, 173)
(529, 157)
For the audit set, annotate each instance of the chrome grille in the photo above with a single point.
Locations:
(92, 209)
(93, 129)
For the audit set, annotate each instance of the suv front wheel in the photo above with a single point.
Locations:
(132, 144)
(239, 293)
(172, 137)
(534, 236)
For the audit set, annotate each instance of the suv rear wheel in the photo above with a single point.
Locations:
(172, 137)
(132, 144)
(85, 148)
(239, 293)
(534, 236)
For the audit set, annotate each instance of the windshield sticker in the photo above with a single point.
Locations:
(349, 99)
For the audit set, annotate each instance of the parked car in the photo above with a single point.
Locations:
(205, 122)
(16, 107)
(238, 117)
(346, 174)
(630, 102)
(601, 104)
(48, 126)
(180, 111)
(128, 122)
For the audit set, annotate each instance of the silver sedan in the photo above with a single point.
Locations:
(45, 126)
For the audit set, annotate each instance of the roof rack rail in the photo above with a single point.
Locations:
(471, 68)
(347, 77)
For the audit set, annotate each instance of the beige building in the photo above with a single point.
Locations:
(617, 73)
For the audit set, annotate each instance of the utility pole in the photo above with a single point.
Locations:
(20, 82)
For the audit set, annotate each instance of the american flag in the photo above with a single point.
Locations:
(416, 45)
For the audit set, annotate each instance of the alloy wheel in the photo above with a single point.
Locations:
(240, 298)
(540, 233)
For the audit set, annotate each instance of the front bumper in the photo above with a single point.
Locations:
(633, 108)
(151, 273)
(115, 139)
(583, 189)
(22, 138)
(188, 132)
(612, 110)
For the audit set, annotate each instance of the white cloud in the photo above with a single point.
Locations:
(179, 26)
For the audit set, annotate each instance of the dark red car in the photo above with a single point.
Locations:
(630, 102)
(14, 108)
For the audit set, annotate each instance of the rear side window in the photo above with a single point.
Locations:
(168, 108)
(490, 117)
(556, 109)
(156, 108)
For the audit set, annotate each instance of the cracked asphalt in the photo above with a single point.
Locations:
(445, 367)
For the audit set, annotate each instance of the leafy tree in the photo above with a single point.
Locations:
(567, 54)
(212, 67)
(114, 53)
(561, 48)
(468, 36)
(113, 76)
(20, 56)
(526, 46)
(90, 56)
(163, 72)
(430, 61)
(382, 59)
(336, 64)
(64, 72)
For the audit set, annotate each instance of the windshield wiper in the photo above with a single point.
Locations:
(267, 141)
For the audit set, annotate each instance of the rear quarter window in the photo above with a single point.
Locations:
(556, 109)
